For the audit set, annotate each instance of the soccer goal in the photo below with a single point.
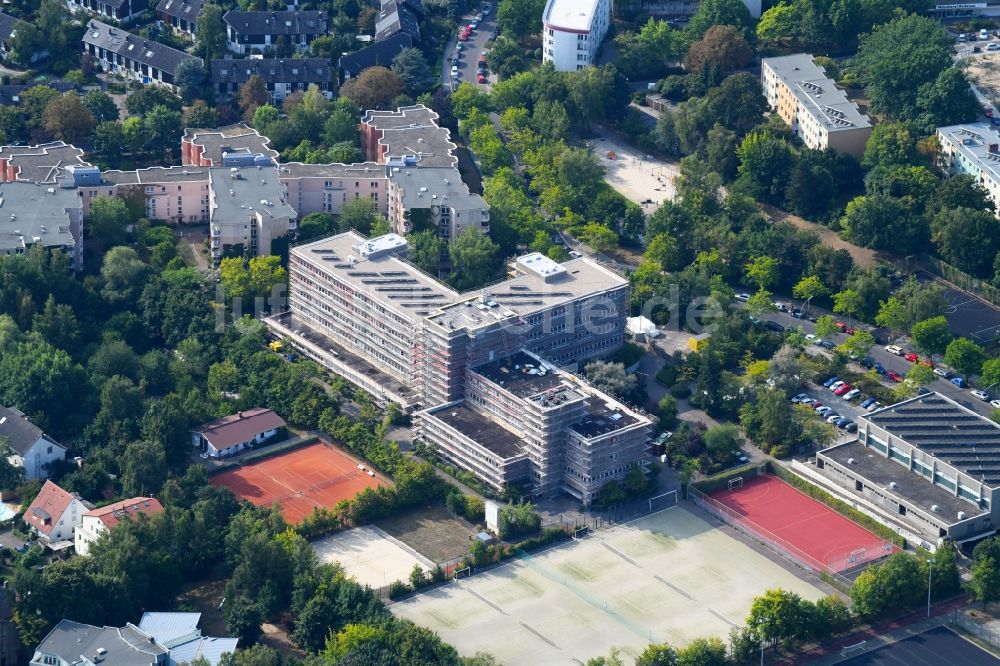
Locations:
(463, 573)
(581, 532)
(735, 484)
(851, 649)
(664, 501)
(859, 555)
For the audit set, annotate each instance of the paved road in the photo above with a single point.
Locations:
(889, 361)
(471, 49)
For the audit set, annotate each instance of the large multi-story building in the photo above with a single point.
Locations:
(134, 57)
(208, 147)
(357, 307)
(44, 215)
(927, 467)
(422, 170)
(572, 32)
(973, 149)
(813, 106)
(325, 188)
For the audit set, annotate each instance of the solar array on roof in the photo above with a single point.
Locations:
(362, 274)
(530, 294)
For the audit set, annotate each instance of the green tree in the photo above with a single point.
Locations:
(124, 275)
(891, 144)
(190, 79)
(720, 12)
(234, 278)
(358, 214)
(316, 225)
(657, 655)
(66, 118)
(144, 469)
(374, 88)
(895, 584)
(107, 221)
(968, 239)
(201, 115)
(965, 356)
(723, 441)
(780, 616)
(932, 335)
(722, 50)
(475, 260)
(243, 620)
(413, 70)
(765, 164)
(985, 583)
(703, 652)
(57, 325)
(100, 105)
(210, 32)
(990, 373)
(760, 303)
(598, 237)
(266, 273)
(763, 271)
(520, 19)
(883, 223)
(427, 249)
(825, 327)
(162, 128)
(808, 288)
(858, 345)
(506, 58)
(947, 100)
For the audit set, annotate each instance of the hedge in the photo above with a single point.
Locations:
(841, 507)
(261, 454)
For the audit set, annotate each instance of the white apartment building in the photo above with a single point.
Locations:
(573, 31)
(813, 106)
(973, 148)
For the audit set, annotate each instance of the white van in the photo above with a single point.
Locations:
(894, 349)
(984, 34)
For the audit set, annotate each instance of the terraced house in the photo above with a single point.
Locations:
(267, 31)
(143, 60)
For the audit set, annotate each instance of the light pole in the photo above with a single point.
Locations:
(930, 569)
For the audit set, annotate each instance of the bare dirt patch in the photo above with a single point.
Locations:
(863, 257)
(431, 531)
(984, 70)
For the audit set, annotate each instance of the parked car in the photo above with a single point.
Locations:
(833, 416)
(482, 58)
(781, 307)
(454, 71)
(816, 405)
(823, 411)
(867, 362)
(481, 78)
(843, 390)
(742, 457)
(984, 34)
(852, 394)
(828, 383)
(487, 9)
(743, 296)
(894, 376)
(850, 426)
(866, 402)
(942, 372)
(809, 402)
(995, 403)
(826, 344)
(774, 326)
(811, 337)
(879, 368)
(872, 407)
(799, 398)
(836, 385)
(911, 357)
(894, 349)
(842, 421)
(993, 47)
(958, 381)
(798, 314)
(982, 395)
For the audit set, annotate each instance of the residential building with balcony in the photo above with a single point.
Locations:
(267, 30)
(325, 188)
(809, 102)
(98, 522)
(181, 15)
(143, 60)
(281, 76)
(423, 174)
(176, 195)
(49, 216)
(973, 149)
(119, 10)
(572, 32)
(247, 212)
(927, 467)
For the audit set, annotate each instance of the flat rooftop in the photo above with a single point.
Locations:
(43, 163)
(366, 170)
(413, 131)
(576, 15)
(241, 192)
(603, 418)
(811, 86)
(35, 214)
(977, 142)
(238, 138)
(948, 431)
(480, 429)
(530, 292)
(523, 375)
(173, 174)
(385, 278)
(424, 186)
(910, 486)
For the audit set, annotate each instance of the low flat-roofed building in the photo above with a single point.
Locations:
(247, 212)
(281, 76)
(926, 465)
(39, 214)
(813, 106)
(207, 147)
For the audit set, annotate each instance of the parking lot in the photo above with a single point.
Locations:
(470, 50)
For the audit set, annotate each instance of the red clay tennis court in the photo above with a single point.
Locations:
(803, 528)
(318, 475)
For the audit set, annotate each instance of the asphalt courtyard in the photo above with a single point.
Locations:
(935, 647)
(968, 315)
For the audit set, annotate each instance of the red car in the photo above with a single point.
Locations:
(463, 37)
(894, 376)
(839, 324)
(850, 330)
(911, 357)
(843, 389)
(482, 59)
(480, 79)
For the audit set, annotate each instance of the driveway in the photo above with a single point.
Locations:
(471, 50)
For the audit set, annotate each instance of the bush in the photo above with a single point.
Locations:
(680, 391)
(628, 355)
(667, 375)
(667, 411)
(518, 519)
(398, 588)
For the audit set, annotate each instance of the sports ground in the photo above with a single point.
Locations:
(371, 556)
(804, 528)
(667, 577)
(318, 475)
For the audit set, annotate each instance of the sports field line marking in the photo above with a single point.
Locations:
(538, 633)
(673, 587)
(621, 554)
(723, 618)
(484, 600)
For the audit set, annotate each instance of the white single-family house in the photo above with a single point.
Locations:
(55, 514)
(30, 448)
(102, 520)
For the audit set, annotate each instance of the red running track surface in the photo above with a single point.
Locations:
(807, 524)
(318, 475)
